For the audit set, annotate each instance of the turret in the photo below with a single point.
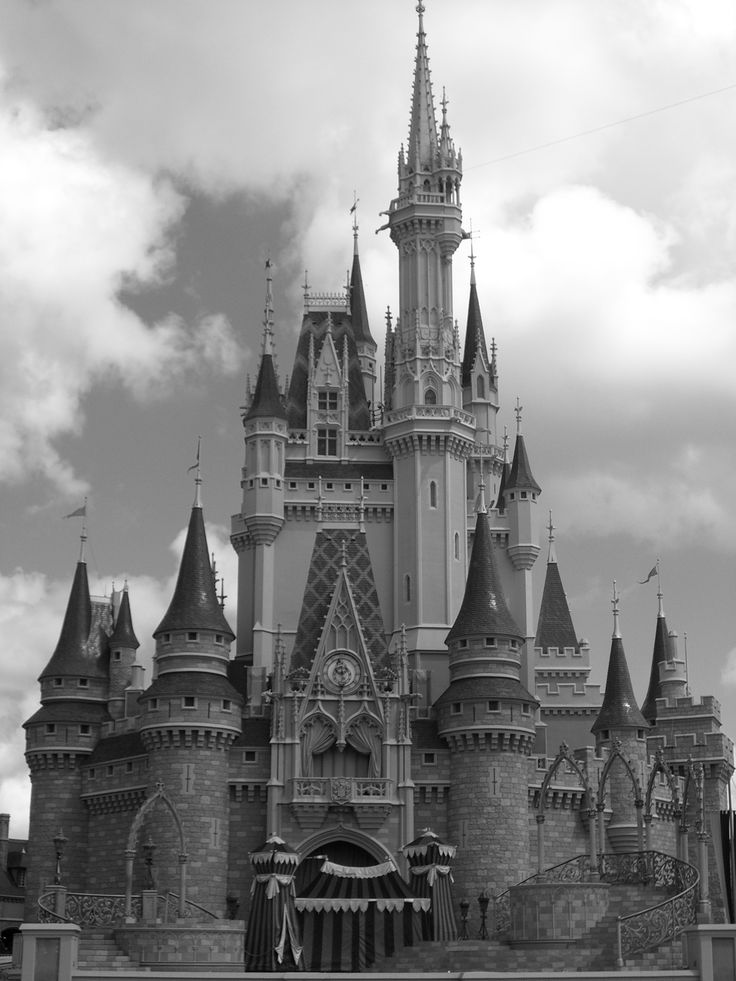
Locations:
(190, 717)
(123, 645)
(667, 678)
(479, 381)
(621, 729)
(61, 735)
(487, 718)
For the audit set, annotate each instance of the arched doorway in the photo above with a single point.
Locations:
(340, 851)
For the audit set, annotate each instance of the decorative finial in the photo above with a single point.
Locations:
(81, 513)
(481, 501)
(444, 103)
(197, 475)
(660, 610)
(388, 320)
(505, 444)
(354, 213)
(551, 557)
(517, 410)
(268, 310)
(344, 553)
(305, 289)
(614, 604)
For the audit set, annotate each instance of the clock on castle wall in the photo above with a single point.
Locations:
(342, 673)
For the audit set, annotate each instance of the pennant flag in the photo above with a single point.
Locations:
(195, 466)
(652, 573)
(79, 513)
(352, 210)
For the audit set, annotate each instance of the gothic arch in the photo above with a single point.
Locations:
(148, 805)
(564, 756)
(341, 833)
(616, 754)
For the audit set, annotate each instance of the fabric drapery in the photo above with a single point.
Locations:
(316, 737)
(272, 939)
(431, 876)
(364, 736)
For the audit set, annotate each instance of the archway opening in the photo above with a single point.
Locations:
(339, 851)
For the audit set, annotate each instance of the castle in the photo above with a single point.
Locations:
(392, 671)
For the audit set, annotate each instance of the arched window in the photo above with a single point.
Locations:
(430, 397)
(407, 588)
(481, 387)
(433, 494)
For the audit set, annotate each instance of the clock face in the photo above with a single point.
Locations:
(342, 672)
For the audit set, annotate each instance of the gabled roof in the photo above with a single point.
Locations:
(324, 569)
(484, 611)
(194, 605)
(123, 635)
(520, 476)
(74, 653)
(619, 709)
(314, 330)
(267, 401)
(554, 626)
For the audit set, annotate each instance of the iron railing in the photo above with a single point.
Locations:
(105, 909)
(573, 870)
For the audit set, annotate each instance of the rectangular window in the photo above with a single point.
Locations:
(329, 485)
(189, 702)
(327, 401)
(525, 708)
(347, 487)
(384, 486)
(249, 756)
(326, 442)
(292, 485)
(311, 485)
(366, 487)
(154, 704)
(429, 759)
(83, 682)
(192, 635)
(84, 729)
(110, 771)
(494, 705)
(457, 708)
(219, 639)
(490, 641)
(50, 728)
(116, 656)
(129, 767)
(226, 705)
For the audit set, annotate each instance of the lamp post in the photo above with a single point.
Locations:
(60, 841)
(148, 851)
(464, 908)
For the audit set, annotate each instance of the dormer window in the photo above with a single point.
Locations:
(327, 400)
(326, 442)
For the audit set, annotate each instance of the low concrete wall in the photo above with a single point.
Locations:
(710, 949)
(211, 945)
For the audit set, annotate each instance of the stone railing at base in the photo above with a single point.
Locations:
(573, 870)
(105, 909)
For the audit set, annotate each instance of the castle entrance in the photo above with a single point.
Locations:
(339, 851)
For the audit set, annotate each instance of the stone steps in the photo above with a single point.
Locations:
(97, 949)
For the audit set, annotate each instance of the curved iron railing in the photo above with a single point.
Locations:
(573, 870)
(105, 909)
(663, 922)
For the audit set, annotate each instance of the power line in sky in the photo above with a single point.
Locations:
(598, 129)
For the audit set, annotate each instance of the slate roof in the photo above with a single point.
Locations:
(424, 735)
(660, 654)
(123, 634)
(321, 579)
(358, 308)
(198, 683)
(256, 732)
(484, 611)
(475, 338)
(194, 605)
(70, 712)
(77, 652)
(120, 747)
(520, 476)
(500, 497)
(314, 325)
(554, 626)
(619, 709)
(338, 471)
(485, 687)
(267, 401)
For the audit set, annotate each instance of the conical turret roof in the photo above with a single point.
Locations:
(520, 476)
(619, 709)
(475, 338)
(267, 401)
(660, 654)
(484, 611)
(123, 634)
(74, 655)
(358, 308)
(194, 605)
(554, 626)
(423, 139)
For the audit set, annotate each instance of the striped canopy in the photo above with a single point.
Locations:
(272, 940)
(430, 874)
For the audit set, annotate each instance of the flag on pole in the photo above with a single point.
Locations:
(652, 573)
(79, 513)
(195, 466)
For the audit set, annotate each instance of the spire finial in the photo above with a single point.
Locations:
(614, 604)
(481, 504)
(344, 553)
(518, 411)
(354, 213)
(551, 557)
(268, 310)
(197, 476)
(505, 444)
(471, 236)
(660, 610)
(305, 289)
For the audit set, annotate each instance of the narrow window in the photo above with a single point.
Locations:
(249, 756)
(219, 639)
(192, 635)
(189, 702)
(84, 729)
(83, 682)
(58, 682)
(433, 494)
(116, 656)
(407, 588)
(50, 728)
(430, 397)
(226, 705)
(457, 708)
(457, 545)
(481, 388)
(429, 759)
(153, 704)
(326, 442)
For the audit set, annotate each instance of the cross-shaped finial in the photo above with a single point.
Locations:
(517, 411)
(551, 529)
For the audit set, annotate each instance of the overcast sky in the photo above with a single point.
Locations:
(153, 154)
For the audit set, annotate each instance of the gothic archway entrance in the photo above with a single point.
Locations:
(338, 850)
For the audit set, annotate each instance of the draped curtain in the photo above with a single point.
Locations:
(365, 737)
(317, 736)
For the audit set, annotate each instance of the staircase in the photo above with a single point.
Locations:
(98, 951)
(596, 951)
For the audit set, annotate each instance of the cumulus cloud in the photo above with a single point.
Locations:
(74, 228)
(31, 612)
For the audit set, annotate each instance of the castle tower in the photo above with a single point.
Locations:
(561, 666)
(427, 432)
(663, 671)
(620, 725)
(262, 513)
(479, 378)
(487, 718)
(191, 715)
(520, 493)
(123, 645)
(60, 737)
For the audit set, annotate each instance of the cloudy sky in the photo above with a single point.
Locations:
(152, 155)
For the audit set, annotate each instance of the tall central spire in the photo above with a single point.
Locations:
(423, 123)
